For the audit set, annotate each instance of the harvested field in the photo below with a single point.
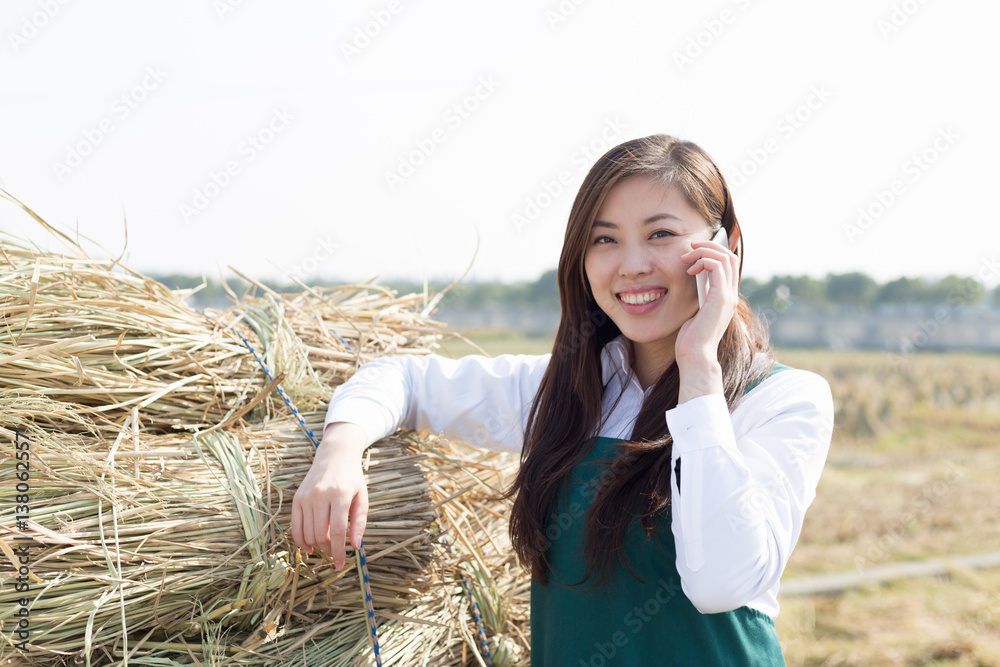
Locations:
(912, 474)
(165, 462)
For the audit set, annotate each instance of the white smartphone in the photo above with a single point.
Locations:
(703, 278)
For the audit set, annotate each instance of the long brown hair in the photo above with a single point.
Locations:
(566, 410)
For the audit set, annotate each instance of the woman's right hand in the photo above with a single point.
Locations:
(333, 492)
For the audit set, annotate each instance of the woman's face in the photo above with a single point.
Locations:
(634, 251)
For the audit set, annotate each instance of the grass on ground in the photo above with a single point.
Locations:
(912, 473)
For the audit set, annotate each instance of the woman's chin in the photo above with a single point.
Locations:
(648, 336)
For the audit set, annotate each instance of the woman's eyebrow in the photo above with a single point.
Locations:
(656, 217)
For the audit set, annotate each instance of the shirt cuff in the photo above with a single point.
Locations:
(701, 423)
(368, 415)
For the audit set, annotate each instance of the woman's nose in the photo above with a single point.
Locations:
(634, 260)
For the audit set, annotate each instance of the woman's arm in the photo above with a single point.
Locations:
(746, 480)
(482, 400)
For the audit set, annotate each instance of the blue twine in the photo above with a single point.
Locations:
(475, 611)
(361, 546)
(368, 600)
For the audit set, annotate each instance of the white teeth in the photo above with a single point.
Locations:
(639, 299)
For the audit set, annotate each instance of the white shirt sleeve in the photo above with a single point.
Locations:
(483, 401)
(746, 480)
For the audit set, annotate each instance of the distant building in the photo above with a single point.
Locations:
(899, 328)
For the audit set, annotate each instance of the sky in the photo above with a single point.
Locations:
(404, 139)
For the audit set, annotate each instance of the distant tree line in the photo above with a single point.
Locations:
(862, 291)
(835, 290)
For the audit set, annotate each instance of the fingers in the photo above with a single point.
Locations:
(724, 275)
(709, 244)
(714, 266)
(359, 517)
(712, 257)
(333, 496)
(334, 545)
(319, 519)
(358, 514)
(711, 249)
(298, 524)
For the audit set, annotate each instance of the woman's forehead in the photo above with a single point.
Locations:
(641, 199)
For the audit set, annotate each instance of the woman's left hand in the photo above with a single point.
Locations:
(698, 338)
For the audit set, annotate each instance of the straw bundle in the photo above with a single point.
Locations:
(77, 332)
(192, 552)
(339, 328)
(107, 341)
(163, 467)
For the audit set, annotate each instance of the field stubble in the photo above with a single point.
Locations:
(912, 474)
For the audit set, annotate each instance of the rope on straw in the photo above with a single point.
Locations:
(465, 580)
(475, 611)
(359, 557)
(360, 551)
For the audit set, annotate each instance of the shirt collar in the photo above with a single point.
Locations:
(614, 358)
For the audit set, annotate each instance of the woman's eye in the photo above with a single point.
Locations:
(666, 233)
(597, 241)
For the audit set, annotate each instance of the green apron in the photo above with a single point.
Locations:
(628, 622)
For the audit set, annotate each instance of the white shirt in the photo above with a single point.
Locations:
(746, 477)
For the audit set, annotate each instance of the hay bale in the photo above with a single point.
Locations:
(193, 550)
(163, 467)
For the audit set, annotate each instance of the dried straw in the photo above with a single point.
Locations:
(163, 468)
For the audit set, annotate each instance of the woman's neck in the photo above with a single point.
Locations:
(649, 360)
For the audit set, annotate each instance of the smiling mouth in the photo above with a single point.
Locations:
(641, 298)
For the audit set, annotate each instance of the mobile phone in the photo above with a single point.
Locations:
(703, 278)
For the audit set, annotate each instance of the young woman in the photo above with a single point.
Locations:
(667, 460)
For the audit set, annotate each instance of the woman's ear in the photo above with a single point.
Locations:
(736, 246)
(734, 237)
